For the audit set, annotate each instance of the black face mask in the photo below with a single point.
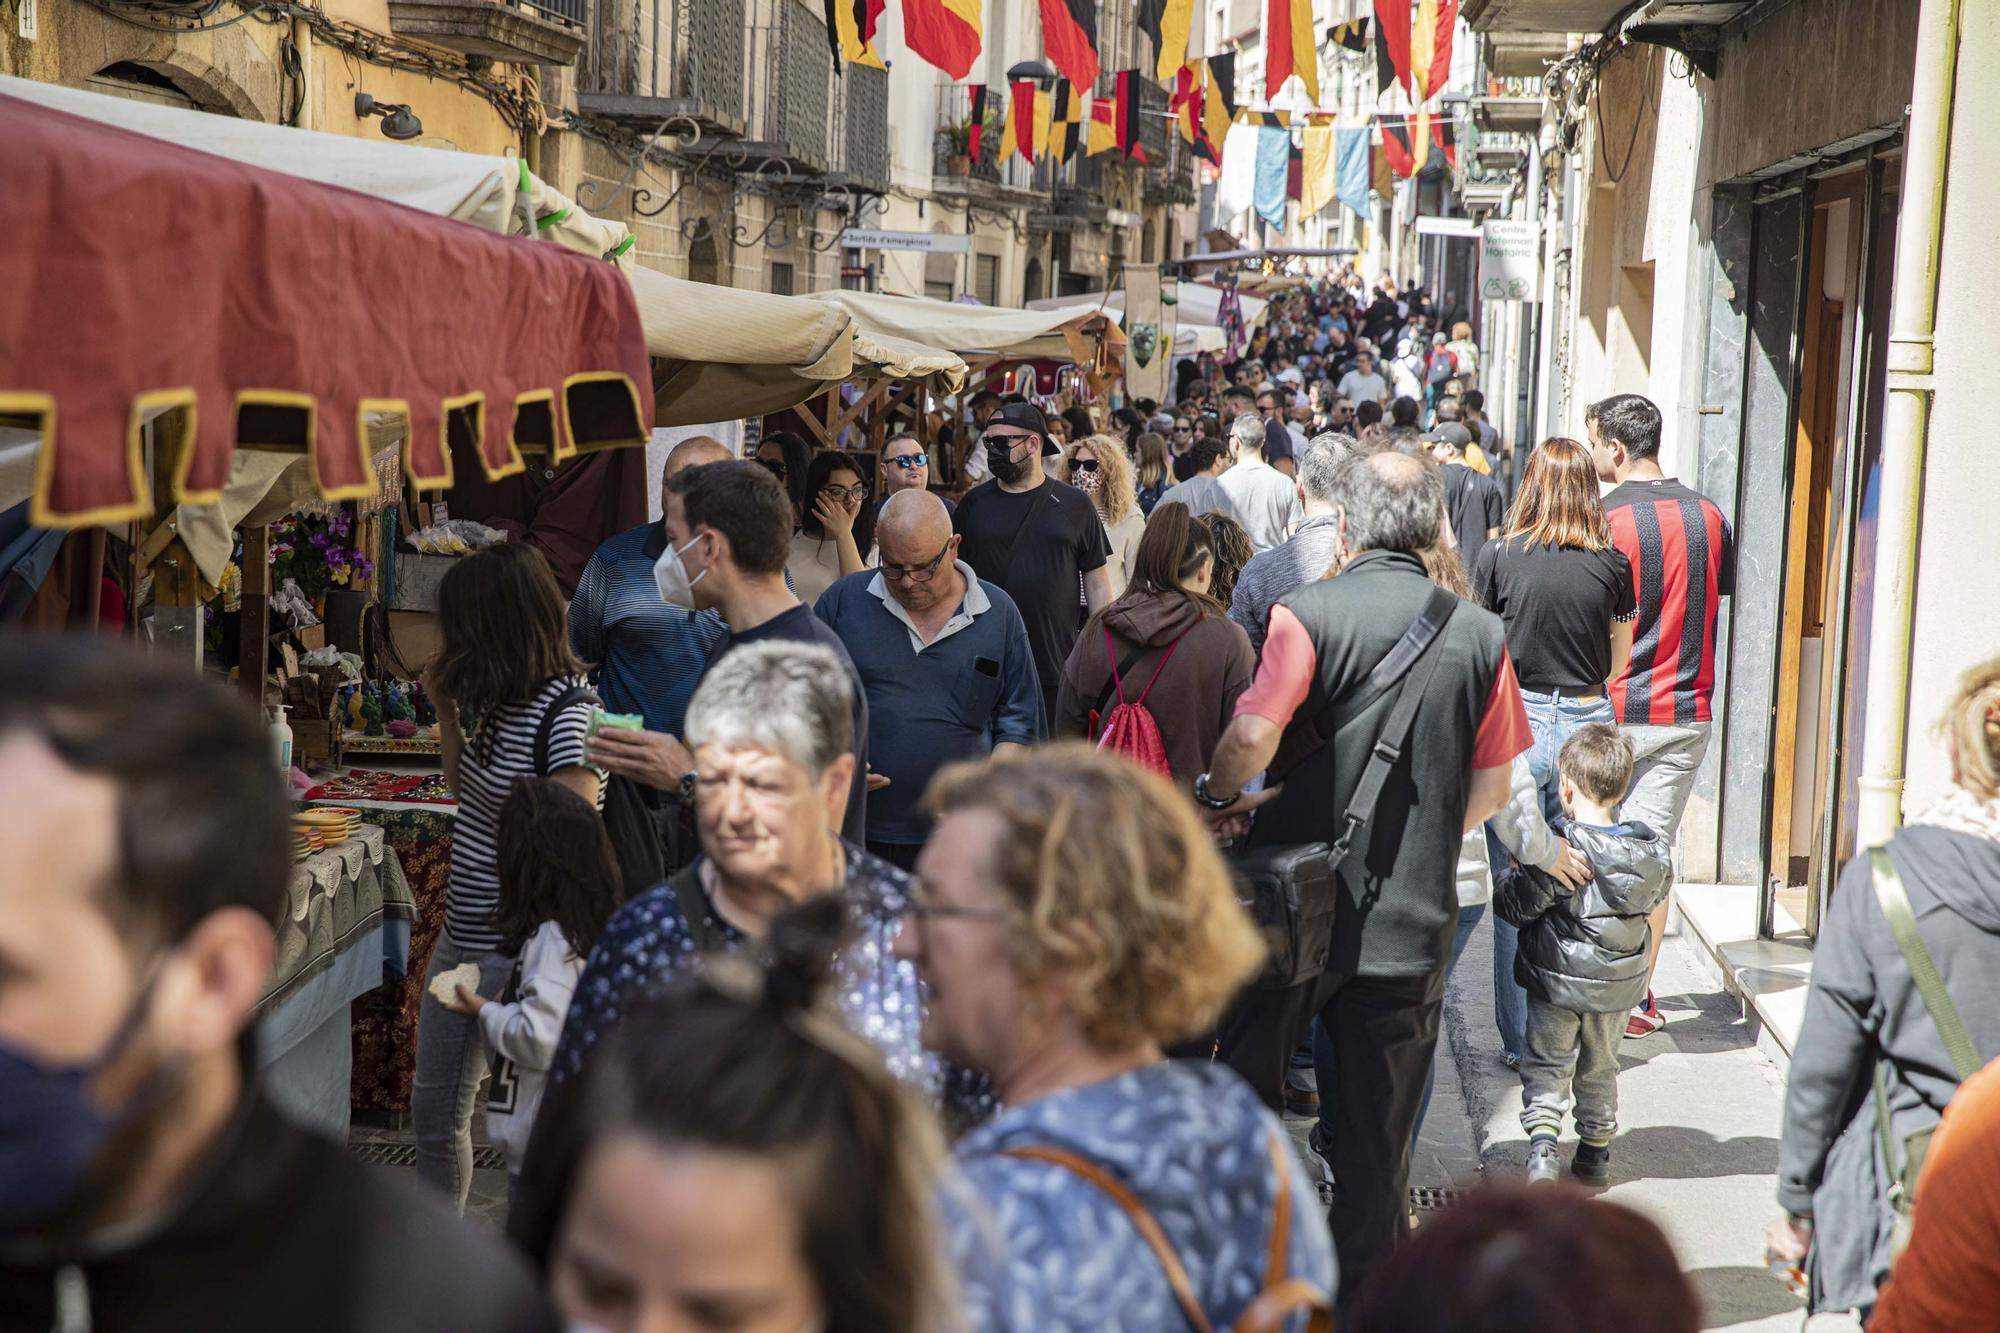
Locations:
(1000, 461)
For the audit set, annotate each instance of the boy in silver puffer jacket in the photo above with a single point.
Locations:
(1582, 957)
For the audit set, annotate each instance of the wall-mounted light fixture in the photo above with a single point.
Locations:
(398, 121)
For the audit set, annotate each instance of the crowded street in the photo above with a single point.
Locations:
(972, 666)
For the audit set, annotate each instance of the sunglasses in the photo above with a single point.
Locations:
(910, 462)
(995, 440)
(1084, 465)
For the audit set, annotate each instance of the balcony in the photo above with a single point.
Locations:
(988, 178)
(1171, 181)
(550, 32)
(785, 105)
(696, 72)
(1512, 105)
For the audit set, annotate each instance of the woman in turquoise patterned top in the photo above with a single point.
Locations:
(1072, 918)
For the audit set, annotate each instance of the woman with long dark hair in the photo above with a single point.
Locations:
(508, 696)
(838, 535)
(737, 1158)
(1167, 629)
(788, 458)
(1566, 595)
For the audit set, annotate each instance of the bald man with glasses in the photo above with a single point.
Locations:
(944, 660)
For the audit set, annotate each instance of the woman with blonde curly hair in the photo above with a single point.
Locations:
(1098, 466)
(1073, 920)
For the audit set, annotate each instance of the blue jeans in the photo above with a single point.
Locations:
(1552, 719)
(1322, 1049)
(451, 1062)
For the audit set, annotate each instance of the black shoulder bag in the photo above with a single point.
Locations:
(1290, 890)
(629, 820)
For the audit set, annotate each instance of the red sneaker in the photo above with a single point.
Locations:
(1645, 1020)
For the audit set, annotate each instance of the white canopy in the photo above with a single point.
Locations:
(1199, 304)
(1054, 331)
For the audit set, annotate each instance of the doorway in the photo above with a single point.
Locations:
(1835, 454)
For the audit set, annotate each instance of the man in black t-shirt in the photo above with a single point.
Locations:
(1035, 537)
(1472, 501)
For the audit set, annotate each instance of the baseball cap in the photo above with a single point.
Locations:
(1451, 433)
(1026, 416)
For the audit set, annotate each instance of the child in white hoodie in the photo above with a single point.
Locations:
(559, 884)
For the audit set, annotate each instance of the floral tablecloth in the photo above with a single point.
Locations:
(385, 1019)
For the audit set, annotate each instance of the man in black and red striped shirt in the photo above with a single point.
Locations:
(1683, 559)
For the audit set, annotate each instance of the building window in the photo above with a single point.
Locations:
(937, 291)
(781, 279)
(986, 283)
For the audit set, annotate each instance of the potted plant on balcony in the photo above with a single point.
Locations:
(958, 148)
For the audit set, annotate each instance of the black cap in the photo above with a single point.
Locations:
(1026, 416)
(1451, 433)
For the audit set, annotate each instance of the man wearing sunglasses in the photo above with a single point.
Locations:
(944, 660)
(1035, 537)
(906, 466)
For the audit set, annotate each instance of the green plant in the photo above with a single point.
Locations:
(958, 136)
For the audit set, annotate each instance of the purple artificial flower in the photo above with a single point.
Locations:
(321, 540)
(365, 566)
(336, 558)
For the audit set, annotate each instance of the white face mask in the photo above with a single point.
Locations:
(670, 576)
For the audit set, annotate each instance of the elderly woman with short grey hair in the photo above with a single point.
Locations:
(771, 727)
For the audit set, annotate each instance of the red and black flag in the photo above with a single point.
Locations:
(976, 133)
(850, 31)
(1125, 114)
(1018, 136)
(1392, 44)
(1396, 145)
(1289, 48)
(1069, 34)
(1295, 175)
(1350, 36)
(1445, 133)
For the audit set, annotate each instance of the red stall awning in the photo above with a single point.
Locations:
(137, 275)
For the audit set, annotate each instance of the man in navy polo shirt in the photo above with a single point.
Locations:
(944, 660)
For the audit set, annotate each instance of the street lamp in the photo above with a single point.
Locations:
(398, 121)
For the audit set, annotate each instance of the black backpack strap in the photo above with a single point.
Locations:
(575, 694)
(1401, 663)
(1119, 672)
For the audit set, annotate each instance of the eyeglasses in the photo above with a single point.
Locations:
(923, 573)
(775, 465)
(1084, 464)
(856, 492)
(910, 462)
(925, 910)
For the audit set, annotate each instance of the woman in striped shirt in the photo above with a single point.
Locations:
(510, 701)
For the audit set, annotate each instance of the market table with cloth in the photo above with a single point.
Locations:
(346, 926)
(415, 816)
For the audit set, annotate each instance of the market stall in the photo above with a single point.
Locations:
(347, 929)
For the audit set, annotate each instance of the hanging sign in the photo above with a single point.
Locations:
(1510, 261)
(929, 242)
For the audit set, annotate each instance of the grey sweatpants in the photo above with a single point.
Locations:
(1571, 1060)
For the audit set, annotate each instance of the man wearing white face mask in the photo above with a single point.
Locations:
(728, 534)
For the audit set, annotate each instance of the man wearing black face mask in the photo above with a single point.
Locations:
(1035, 537)
(145, 1180)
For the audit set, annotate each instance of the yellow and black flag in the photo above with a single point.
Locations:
(1103, 135)
(1218, 107)
(1066, 122)
(1350, 36)
(850, 31)
(1166, 24)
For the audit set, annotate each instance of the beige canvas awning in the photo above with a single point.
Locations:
(1066, 332)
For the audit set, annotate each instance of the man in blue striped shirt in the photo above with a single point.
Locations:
(648, 656)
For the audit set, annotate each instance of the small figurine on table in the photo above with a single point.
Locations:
(427, 713)
(397, 707)
(371, 714)
(351, 709)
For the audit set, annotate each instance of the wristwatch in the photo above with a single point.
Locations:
(1203, 798)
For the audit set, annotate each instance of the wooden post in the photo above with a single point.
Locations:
(256, 613)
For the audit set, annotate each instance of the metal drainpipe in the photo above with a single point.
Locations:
(302, 42)
(1906, 418)
(1555, 226)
